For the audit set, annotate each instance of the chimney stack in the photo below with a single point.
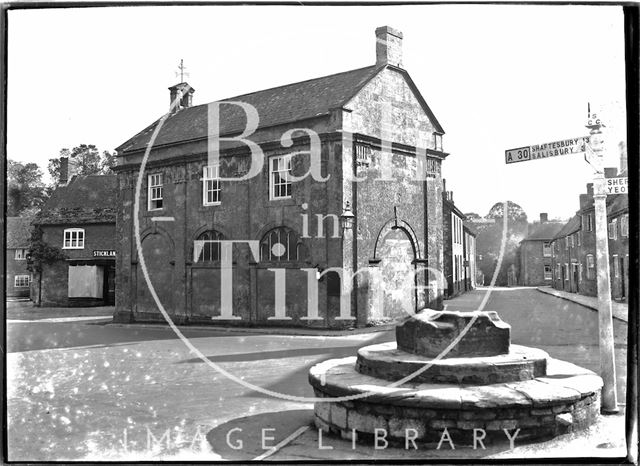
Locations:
(590, 189)
(183, 93)
(544, 217)
(610, 172)
(388, 46)
(64, 171)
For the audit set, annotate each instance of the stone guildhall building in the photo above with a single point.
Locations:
(308, 235)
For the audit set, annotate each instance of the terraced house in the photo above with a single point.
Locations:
(18, 278)
(574, 248)
(308, 235)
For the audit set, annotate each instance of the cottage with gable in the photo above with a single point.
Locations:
(79, 222)
(297, 242)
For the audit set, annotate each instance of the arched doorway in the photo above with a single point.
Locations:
(397, 256)
(158, 257)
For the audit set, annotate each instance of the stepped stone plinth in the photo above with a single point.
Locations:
(483, 382)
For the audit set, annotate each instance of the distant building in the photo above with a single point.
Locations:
(80, 219)
(470, 262)
(18, 278)
(574, 248)
(459, 248)
(536, 253)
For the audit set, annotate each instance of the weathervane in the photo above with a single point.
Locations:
(182, 71)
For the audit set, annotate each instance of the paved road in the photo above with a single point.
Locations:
(75, 388)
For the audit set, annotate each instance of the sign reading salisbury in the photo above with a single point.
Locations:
(549, 149)
(617, 185)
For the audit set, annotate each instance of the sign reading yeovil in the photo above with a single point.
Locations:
(617, 185)
(549, 149)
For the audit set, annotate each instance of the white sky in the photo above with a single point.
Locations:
(496, 77)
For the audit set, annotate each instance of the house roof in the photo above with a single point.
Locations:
(275, 106)
(543, 231)
(617, 204)
(86, 199)
(18, 232)
(571, 226)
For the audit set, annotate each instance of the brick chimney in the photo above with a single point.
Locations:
(388, 46)
(610, 172)
(590, 189)
(544, 217)
(64, 171)
(184, 93)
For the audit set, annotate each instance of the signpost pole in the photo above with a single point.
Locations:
(609, 403)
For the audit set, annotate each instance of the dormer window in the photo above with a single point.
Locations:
(437, 141)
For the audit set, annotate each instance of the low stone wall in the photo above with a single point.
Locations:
(428, 425)
(568, 399)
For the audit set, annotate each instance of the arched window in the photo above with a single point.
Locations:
(205, 248)
(281, 244)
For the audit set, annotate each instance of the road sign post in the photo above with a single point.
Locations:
(609, 403)
(592, 147)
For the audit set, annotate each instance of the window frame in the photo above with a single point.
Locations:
(624, 226)
(547, 275)
(546, 249)
(214, 249)
(21, 276)
(79, 232)
(19, 257)
(211, 184)
(150, 191)
(616, 266)
(591, 266)
(294, 251)
(589, 223)
(285, 183)
(613, 229)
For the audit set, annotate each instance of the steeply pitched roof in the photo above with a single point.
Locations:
(86, 199)
(571, 226)
(543, 231)
(18, 232)
(275, 106)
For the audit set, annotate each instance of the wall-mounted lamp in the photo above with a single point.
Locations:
(347, 217)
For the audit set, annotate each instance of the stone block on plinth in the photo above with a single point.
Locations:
(430, 333)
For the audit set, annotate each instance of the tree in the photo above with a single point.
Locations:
(25, 188)
(514, 211)
(40, 252)
(489, 241)
(84, 159)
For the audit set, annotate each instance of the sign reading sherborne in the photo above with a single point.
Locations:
(617, 185)
(104, 253)
(549, 149)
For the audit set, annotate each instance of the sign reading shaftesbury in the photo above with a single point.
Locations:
(617, 185)
(548, 149)
(104, 253)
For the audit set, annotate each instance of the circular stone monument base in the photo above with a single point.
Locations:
(566, 400)
(387, 362)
